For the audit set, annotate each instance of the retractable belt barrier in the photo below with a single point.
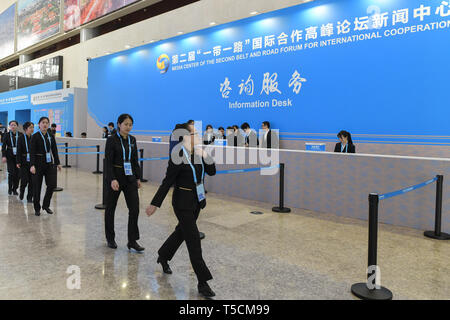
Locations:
(98, 153)
(372, 290)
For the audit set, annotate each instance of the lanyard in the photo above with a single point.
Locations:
(123, 148)
(192, 167)
(50, 141)
(346, 148)
(10, 136)
(26, 142)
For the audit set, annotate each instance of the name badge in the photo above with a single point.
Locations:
(28, 157)
(49, 157)
(201, 192)
(14, 150)
(128, 169)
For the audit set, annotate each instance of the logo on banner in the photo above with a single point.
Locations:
(163, 63)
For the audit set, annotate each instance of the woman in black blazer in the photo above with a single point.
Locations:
(24, 161)
(44, 160)
(9, 154)
(346, 145)
(186, 171)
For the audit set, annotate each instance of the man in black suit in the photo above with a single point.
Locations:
(209, 136)
(251, 139)
(269, 138)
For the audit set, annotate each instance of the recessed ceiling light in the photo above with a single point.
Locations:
(212, 23)
(128, 46)
(254, 12)
(180, 32)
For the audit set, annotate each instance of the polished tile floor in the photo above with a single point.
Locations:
(300, 255)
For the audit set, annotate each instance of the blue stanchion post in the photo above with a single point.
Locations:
(66, 145)
(141, 152)
(437, 234)
(281, 208)
(98, 161)
(371, 290)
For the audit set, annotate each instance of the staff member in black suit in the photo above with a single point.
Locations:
(251, 139)
(346, 145)
(24, 161)
(123, 174)
(9, 154)
(187, 170)
(269, 139)
(209, 136)
(44, 161)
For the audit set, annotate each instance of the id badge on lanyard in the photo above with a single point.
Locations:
(26, 144)
(201, 192)
(28, 157)
(126, 164)
(199, 186)
(48, 155)
(14, 149)
(127, 168)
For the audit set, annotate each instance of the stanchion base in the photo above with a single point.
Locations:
(202, 235)
(144, 180)
(361, 291)
(67, 166)
(97, 172)
(432, 234)
(100, 206)
(282, 210)
(58, 189)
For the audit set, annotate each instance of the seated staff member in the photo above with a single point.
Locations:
(346, 145)
(187, 170)
(9, 154)
(123, 174)
(24, 161)
(44, 160)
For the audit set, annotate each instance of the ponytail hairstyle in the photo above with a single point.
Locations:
(122, 118)
(26, 125)
(345, 134)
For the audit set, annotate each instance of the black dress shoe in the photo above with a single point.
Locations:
(205, 290)
(202, 235)
(164, 265)
(9, 192)
(21, 196)
(37, 213)
(112, 244)
(134, 245)
(15, 193)
(49, 211)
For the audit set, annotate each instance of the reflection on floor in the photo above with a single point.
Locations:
(300, 255)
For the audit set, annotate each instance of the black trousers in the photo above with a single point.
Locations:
(49, 172)
(26, 180)
(187, 230)
(13, 174)
(130, 191)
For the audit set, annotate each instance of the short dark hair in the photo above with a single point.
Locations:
(236, 127)
(190, 122)
(26, 125)
(221, 128)
(83, 134)
(181, 126)
(53, 125)
(14, 122)
(110, 124)
(43, 118)
(209, 126)
(266, 123)
(245, 125)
